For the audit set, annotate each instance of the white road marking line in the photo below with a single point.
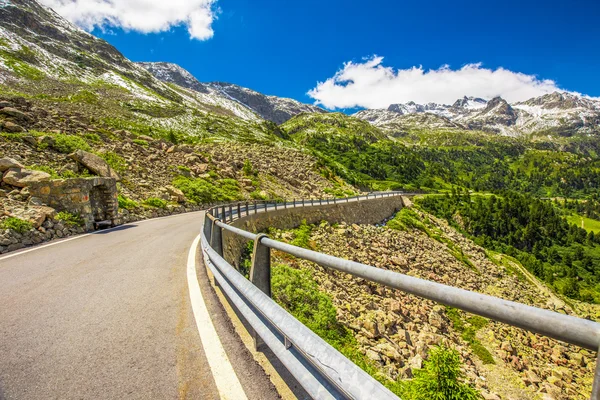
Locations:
(18, 253)
(228, 385)
(44, 246)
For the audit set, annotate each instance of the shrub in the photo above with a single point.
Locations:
(302, 235)
(92, 137)
(70, 219)
(16, 224)
(468, 333)
(126, 203)
(46, 169)
(440, 379)
(140, 142)
(115, 161)
(85, 96)
(203, 191)
(296, 291)
(248, 169)
(68, 143)
(155, 202)
(257, 195)
(406, 219)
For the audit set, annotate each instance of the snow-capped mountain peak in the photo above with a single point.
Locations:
(559, 112)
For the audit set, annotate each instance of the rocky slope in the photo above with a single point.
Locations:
(271, 108)
(395, 330)
(175, 143)
(558, 113)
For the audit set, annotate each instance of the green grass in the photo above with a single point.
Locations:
(84, 96)
(126, 203)
(70, 219)
(589, 224)
(302, 236)
(20, 67)
(69, 143)
(468, 329)
(140, 142)
(154, 202)
(406, 219)
(203, 191)
(16, 224)
(115, 161)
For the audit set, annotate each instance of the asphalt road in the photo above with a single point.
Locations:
(108, 316)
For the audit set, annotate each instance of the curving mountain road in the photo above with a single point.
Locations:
(108, 316)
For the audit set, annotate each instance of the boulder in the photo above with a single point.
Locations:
(37, 215)
(21, 177)
(13, 112)
(11, 127)
(95, 164)
(175, 194)
(7, 163)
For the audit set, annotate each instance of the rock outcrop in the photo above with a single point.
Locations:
(95, 164)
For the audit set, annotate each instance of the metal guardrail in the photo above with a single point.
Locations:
(320, 378)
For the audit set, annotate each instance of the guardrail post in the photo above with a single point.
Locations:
(239, 211)
(230, 214)
(223, 213)
(216, 238)
(247, 210)
(294, 201)
(260, 274)
(596, 385)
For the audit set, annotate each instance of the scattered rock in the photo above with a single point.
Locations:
(95, 164)
(11, 127)
(21, 177)
(7, 163)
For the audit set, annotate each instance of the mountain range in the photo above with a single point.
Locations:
(35, 42)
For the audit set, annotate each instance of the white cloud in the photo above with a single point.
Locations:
(370, 84)
(139, 15)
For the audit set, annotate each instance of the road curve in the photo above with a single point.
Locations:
(108, 316)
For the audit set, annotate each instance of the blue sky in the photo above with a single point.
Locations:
(285, 47)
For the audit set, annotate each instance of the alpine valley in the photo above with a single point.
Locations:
(510, 204)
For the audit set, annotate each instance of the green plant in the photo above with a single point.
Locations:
(70, 219)
(68, 143)
(204, 191)
(126, 203)
(297, 292)
(302, 235)
(248, 169)
(258, 195)
(155, 202)
(406, 219)
(140, 142)
(440, 378)
(92, 137)
(16, 224)
(84, 96)
(46, 169)
(468, 333)
(115, 161)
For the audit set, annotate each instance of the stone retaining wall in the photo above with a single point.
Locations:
(361, 212)
(94, 199)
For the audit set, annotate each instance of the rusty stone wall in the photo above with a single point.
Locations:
(73, 195)
(370, 211)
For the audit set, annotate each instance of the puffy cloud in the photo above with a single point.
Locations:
(370, 84)
(139, 15)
